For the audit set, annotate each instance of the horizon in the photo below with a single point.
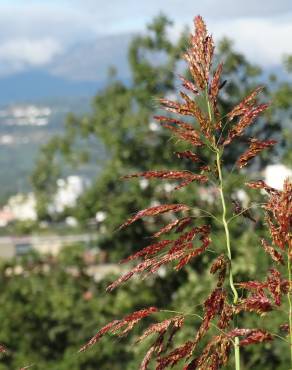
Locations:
(36, 34)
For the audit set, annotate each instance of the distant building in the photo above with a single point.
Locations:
(6, 216)
(22, 207)
(25, 115)
(12, 246)
(68, 191)
(275, 175)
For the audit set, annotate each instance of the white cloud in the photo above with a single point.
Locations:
(263, 40)
(33, 32)
(116, 11)
(44, 19)
(31, 52)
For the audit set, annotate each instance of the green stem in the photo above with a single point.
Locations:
(237, 353)
(227, 236)
(228, 247)
(226, 229)
(290, 307)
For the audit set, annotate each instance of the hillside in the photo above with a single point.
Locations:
(23, 128)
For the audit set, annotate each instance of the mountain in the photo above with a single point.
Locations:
(90, 61)
(39, 84)
(81, 70)
(65, 85)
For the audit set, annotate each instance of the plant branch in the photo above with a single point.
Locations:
(228, 247)
(227, 236)
(290, 305)
(201, 318)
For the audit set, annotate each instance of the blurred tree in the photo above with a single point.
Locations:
(122, 120)
(50, 307)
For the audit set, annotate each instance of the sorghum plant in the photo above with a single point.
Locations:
(186, 236)
(278, 216)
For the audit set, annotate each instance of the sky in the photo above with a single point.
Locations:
(35, 33)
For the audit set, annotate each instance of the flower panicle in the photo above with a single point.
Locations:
(181, 250)
(244, 122)
(154, 211)
(255, 147)
(195, 119)
(187, 177)
(120, 327)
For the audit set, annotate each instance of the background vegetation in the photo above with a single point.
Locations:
(49, 307)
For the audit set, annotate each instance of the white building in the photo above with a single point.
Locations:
(275, 175)
(68, 191)
(23, 207)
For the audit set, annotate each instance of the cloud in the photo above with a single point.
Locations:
(34, 32)
(31, 52)
(263, 40)
(132, 13)
(44, 19)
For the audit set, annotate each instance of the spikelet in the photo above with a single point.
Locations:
(279, 216)
(220, 265)
(149, 354)
(256, 336)
(194, 253)
(185, 222)
(256, 302)
(199, 55)
(253, 285)
(226, 315)
(148, 251)
(187, 176)
(189, 85)
(213, 306)
(260, 184)
(274, 283)
(183, 130)
(159, 346)
(177, 123)
(189, 155)
(161, 327)
(245, 121)
(284, 328)
(214, 356)
(252, 336)
(245, 105)
(178, 224)
(120, 327)
(140, 268)
(154, 211)
(215, 84)
(255, 147)
(181, 250)
(213, 94)
(166, 229)
(276, 256)
(175, 356)
(191, 109)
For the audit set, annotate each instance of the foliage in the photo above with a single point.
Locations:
(121, 119)
(48, 308)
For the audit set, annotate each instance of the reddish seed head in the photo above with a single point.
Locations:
(256, 146)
